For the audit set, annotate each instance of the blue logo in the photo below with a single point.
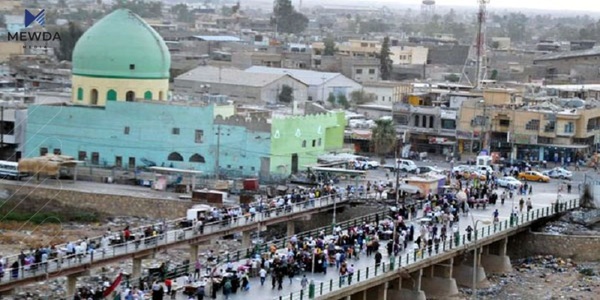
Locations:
(40, 18)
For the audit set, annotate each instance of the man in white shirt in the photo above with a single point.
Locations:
(263, 275)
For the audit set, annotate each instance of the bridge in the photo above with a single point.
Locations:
(437, 274)
(172, 236)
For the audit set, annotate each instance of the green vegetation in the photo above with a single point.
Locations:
(361, 97)
(145, 9)
(329, 44)
(287, 94)
(69, 35)
(287, 19)
(384, 138)
(385, 62)
(49, 212)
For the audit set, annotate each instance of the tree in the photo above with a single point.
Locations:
(384, 137)
(69, 35)
(287, 19)
(144, 9)
(183, 13)
(329, 47)
(287, 94)
(343, 101)
(384, 59)
(331, 99)
(359, 97)
(452, 78)
(494, 75)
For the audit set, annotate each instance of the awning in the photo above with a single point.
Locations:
(573, 146)
(407, 188)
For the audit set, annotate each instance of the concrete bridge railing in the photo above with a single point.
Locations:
(458, 243)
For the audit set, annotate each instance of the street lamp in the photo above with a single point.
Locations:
(475, 252)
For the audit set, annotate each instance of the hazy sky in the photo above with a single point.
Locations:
(581, 5)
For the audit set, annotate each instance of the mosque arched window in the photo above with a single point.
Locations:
(130, 96)
(94, 97)
(111, 95)
(174, 156)
(79, 94)
(197, 158)
(160, 96)
(148, 95)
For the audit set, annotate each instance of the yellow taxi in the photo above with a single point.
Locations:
(533, 176)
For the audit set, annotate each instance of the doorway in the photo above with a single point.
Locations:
(118, 161)
(294, 163)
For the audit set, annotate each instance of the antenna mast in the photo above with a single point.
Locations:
(477, 52)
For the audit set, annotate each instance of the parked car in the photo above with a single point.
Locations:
(509, 182)
(407, 165)
(558, 172)
(462, 169)
(366, 164)
(428, 169)
(534, 176)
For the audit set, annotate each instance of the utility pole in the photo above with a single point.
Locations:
(2, 128)
(218, 152)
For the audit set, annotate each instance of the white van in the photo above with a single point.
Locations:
(407, 165)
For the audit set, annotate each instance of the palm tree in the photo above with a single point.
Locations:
(384, 138)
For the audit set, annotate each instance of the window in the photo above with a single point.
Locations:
(505, 123)
(43, 151)
(314, 143)
(371, 71)
(160, 95)
(81, 155)
(56, 151)
(148, 95)
(228, 166)
(448, 124)
(358, 71)
(129, 96)
(304, 144)
(550, 126)
(131, 67)
(569, 127)
(533, 125)
(424, 121)
(174, 156)
(319, 143)
(95, 158)
(111, 95)
(80, 94)
(175, 131)
(132, 162)
(430, 121)
(199, 134)
(197, 158)
(94, 97)
(126, 130)
(252, 168)
(241, 167)
(118, 161)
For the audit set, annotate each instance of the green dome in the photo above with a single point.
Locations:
(121, 45)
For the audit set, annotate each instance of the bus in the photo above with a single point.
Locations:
(10, 169)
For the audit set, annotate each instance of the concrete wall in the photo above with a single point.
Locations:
(114, 205)
(102, 130)
(297, 134)
(578, 248)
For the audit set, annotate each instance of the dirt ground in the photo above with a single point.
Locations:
(544, 278)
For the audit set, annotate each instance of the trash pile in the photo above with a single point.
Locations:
(544, 277)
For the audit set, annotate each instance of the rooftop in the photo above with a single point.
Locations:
(569, 54)
(218, 38)
(306, 76)
(231, 76)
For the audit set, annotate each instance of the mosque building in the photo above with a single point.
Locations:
(121, 115)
